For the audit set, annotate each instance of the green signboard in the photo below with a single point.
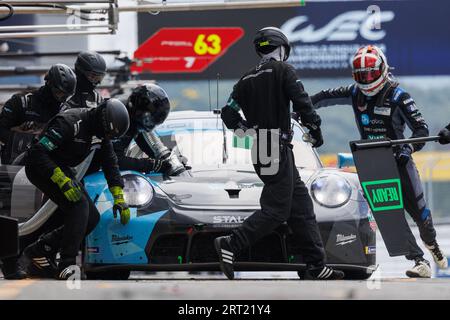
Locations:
(383, 195)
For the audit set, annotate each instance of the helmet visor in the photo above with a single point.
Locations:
(367, 76)
(145, 121)
(94, 77)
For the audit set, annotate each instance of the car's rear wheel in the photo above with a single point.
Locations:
(108, 275)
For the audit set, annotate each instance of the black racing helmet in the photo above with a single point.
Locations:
(268, 39)
(91, 65)
(149, 106)
(62, 82)
(115, 120)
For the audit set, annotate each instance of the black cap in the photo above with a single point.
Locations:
(62, 82)
(268, 39)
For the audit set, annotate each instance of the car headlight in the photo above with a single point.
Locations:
(331, 191)
(138, 191)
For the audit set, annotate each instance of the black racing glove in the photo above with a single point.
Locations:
(184, 161)
(403, 155)
(158, 166)
(317, 136)
(444, 135)
(312, 121)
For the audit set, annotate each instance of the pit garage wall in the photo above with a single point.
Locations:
(14, 45)
(325, 35)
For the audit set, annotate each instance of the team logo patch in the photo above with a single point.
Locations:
(382, 111)
(411, 108)
(365, 119)
(408, 101)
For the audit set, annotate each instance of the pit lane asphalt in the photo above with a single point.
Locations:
(389, 282)
(233, 290)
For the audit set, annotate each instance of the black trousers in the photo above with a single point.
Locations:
(416, 207)
(284, 198)
(55, 221)
(79, 218)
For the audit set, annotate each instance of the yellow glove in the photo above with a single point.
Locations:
(70, 188)
(120, 205)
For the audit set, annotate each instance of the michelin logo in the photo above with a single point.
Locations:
(345, 27)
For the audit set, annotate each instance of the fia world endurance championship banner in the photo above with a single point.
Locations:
(324, 35)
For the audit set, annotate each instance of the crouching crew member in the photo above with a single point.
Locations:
(22, 118)
(65, 143)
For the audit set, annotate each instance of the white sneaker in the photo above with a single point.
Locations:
(438, 256)
(420, 270)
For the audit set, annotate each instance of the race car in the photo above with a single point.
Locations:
(175, 219)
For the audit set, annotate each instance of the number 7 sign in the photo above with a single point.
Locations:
(177, 50)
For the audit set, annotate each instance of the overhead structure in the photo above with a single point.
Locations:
(102, 16)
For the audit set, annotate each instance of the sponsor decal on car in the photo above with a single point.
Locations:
(343, 239)
(93, 250)
(370, 249)
(229, 219)
(383, 195)
(119, 239)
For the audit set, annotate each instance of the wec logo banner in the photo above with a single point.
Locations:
(332, 45)
(345, 27)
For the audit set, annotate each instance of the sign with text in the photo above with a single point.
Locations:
(325, 35)
(380, 181)
(184, 50)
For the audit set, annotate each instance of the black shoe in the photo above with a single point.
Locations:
(14, 271)
(323, 273)
(66, 269)
(41, 260)
(226, 255)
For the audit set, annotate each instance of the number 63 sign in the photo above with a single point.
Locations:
(176, 50)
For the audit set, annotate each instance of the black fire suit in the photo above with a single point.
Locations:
(85, 96)
(26, 113)
(69, 139)
(264, 95)
(385, 116)
(120, 147)
(23, 116)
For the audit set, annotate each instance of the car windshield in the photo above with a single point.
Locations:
(202, 141)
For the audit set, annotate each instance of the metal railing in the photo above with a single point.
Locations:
(109, 10)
